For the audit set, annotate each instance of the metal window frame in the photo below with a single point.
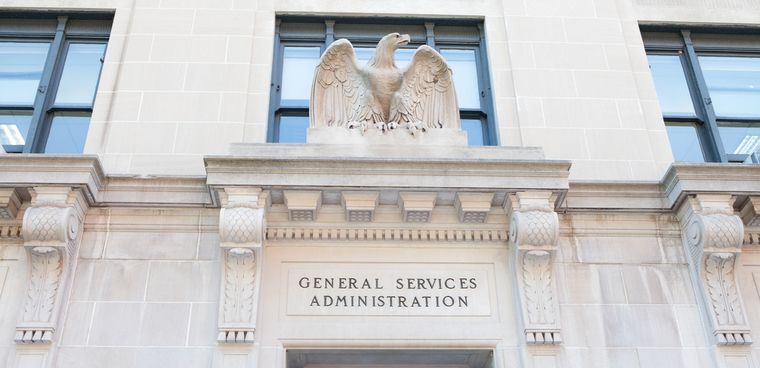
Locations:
(706, 121)
(325, 38)
(44, 108)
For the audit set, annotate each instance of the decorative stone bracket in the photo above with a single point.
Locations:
(712, 237)
(51, 235)
(9, 203)
(750, 212)
(241, 234)
(534, 230)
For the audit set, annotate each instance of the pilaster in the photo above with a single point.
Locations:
(241, 234)
(534, 231)
(51, 233)
(712, 237)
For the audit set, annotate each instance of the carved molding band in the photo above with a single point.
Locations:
(534, 229)
(713, 236)
(385, 234)
(752, 238)
(241, 230)
(50, 232)
(10, 232)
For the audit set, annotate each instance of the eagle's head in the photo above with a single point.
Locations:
(394, 41)
(383, 57)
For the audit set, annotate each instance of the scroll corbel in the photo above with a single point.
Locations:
(51, 233)
(712, 238)
(241, 234)
(534, 231)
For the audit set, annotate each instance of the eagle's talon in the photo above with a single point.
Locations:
(381, 126)
(362, 126)
(412, 127)
(392, 125)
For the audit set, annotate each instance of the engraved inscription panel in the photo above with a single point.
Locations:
(388, 289)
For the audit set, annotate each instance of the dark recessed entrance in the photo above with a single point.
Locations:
(338, 358)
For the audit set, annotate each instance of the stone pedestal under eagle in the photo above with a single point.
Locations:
(379, 95)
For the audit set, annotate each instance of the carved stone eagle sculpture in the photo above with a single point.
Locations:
(379, 94)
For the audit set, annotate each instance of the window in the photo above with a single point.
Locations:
(301, 41)
(49, 72)
(708, 84)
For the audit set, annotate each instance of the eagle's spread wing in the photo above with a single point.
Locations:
(427, 92)
(339, 93)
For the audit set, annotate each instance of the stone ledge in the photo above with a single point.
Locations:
(382, 152)
(445, 137)
(684, 179)
(418, 167)
(79, 171)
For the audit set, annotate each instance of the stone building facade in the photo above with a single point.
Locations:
(185, 236)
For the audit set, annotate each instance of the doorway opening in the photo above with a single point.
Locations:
(366, 358)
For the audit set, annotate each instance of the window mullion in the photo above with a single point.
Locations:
(329, 33)
(44, 99)
(430, 34)
(486, 101)
(712, 143)
(274, 89)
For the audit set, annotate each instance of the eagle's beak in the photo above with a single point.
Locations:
(404, 40)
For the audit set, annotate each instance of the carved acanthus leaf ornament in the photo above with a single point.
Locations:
(534, 230)
(241, 234)
(240, 273)
(539, 296)
(712, 236)
(50, 232)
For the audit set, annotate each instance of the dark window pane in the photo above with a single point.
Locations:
(474, 129)
(293, 129)
(298, 72)
(68, 133)
(14, 126)
(685, 143)
(734, 85)
(670, 82)
(21, 65)
(740, 139)
(80, 74)
(465, 68)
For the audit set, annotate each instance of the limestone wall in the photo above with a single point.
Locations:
(184, 79)
(146, 289)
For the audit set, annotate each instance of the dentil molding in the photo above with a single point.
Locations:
(241, 234)
(51, 233)
(712, 236)
(534, 230)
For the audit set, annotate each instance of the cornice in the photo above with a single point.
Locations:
(614, 195)
(683, 179)
(313, 167)
(172, 191)
(77, 171)
(400, 167)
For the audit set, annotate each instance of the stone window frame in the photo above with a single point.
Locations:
(467, 34)
(60, 29)
(689, 43)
